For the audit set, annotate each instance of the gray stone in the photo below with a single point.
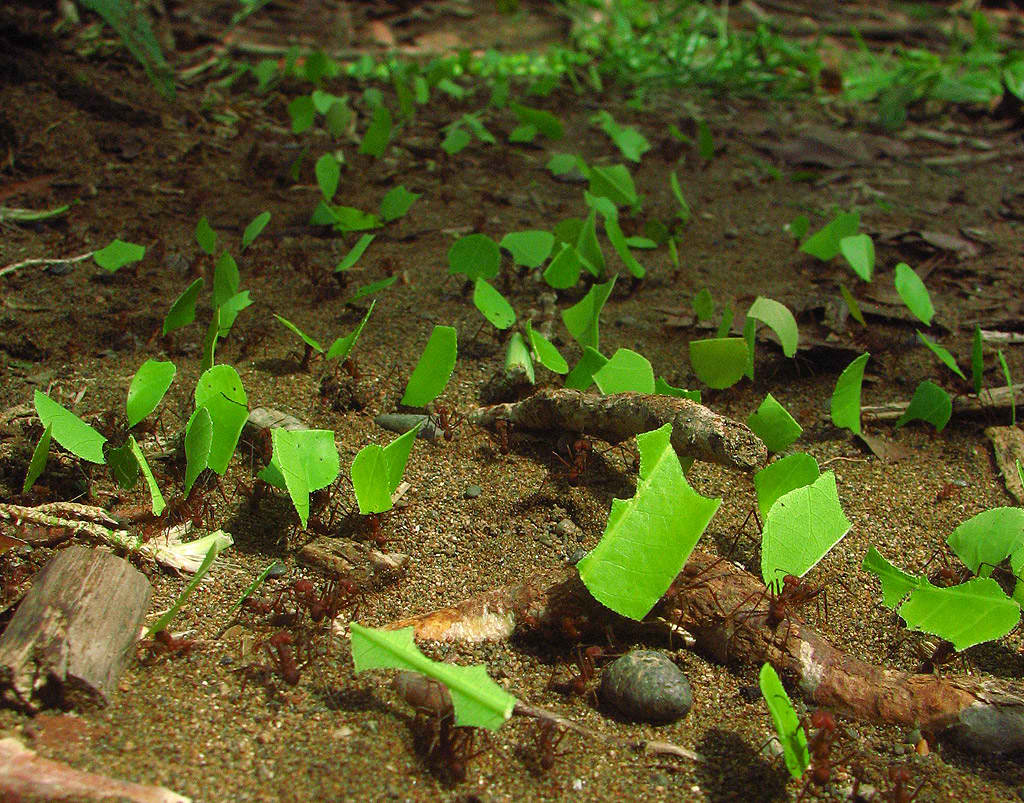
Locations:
(472, 492)
(647, 686)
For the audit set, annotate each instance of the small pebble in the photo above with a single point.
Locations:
(472, 492)
(568, 529)
(646, 686)
(576, 556)
(277, 570)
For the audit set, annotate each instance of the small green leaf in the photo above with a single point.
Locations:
(859, 251)
(352, 257)
(750, 338)
(625, 372)
(183, 310)
(987, 539)
(475, 256)
(118, 254)
(942, 354)
(372, 288)
(618, 241)
(308, 461)
(800, 528)
(434, 368)
(228, 311)
(455, 140)
(798, 227)
(784, 475)
(147, 388)
(615, 183)
(846, 396)
(648, 538)
(824, 243)
(1009, 385)
(339, 117)
(396, 203)
(588, 248)
(478, 701)
(582, 318)
(370, 480)
(581, 376)
(378, 134)
(773, 424)
(220, 391)
(725, 325)
(225, 279)
(517, 360)
(38, 462)
(564, 270)
(543, 121)
(896, 583)
(198, 440)
(684, 213)
(787, 723)
(252, 231)
(493, 305)
(341, 347)
(123, 466)
(156, 498)
(914, 293)
(218, 541)
(852, 305)
(781, 321)
(704, 305)
(313, 344)
(302, 112)
(627, 139)
(562, 163)
(663, 388)
(930, 403)
(208, 350)
(977, 360)
(328, 173)
(529, 248)
(705, 142)
(547, 354)
(396, 456)
(206, 236)
(967, 614)
(719, 362)
(69, 430)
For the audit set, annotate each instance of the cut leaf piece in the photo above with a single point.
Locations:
(704, 305)
(213, 544)
(627, 371)
(475, 256)
(564, 270)
(225, 279)
(846, 396)
(69, 430)
(377, 471)
(328, 171)
(859, 251)
(183, 310)
(648, 538)
(800, 528)
(544, 121)
(198, 440)
(930, 403)
(352, 257)
(781, 321)
(147, 389)
(773, 424)
(341, 347)
(787, 723)
(785, 475)
(313, 344)
(206, 236)
(582, 318)
(518, 364)
(156, 498)
(118, 254)
(896, 583)
(967, 614)
(478, 701)
(618, 241)
(255, 227)
(378, 134)
(615, 183)
(977, 360)
(719, 362)
(581, 376)
(493, 305)
(529, 248)
(914, 293)
(547, 354)
(942, 354)
(683, 212)
(308, 461)
(663, 388)
(984, 541)
(434, 368)
(396, 203)
(588, 248)
(220, 391)
(852, 305)
(824, 243)
(123, 466)
(38, 462)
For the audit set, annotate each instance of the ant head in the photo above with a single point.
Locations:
(823, 720)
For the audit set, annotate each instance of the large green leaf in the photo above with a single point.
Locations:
(719, 362)
(787, 723)
(69, 430)
(147, 388)
(434, 368)
(859, 252)
(198, 440)
(582, 318)
(478, 700)
(800, 528)
(370, 480)
(648, 538)
(625, 372)
(493, 305)
(987, 539)
(967, 614)
(785, 475)
(846, 396)
(780, 319)
(220, 391)
(308, 461)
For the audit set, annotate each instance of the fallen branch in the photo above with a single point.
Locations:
(990, 399)
(723, 607)
(696, 431)
(43, 261)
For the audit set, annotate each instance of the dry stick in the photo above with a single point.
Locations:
(696, 431)
(43, 261)
(990, 399)
(726, 613)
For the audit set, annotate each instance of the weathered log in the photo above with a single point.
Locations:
(725, 609)
(25, 776)
(72, 636)
(696, 431)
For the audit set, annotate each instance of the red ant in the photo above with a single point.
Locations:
(899, 777)
(819, 745)
(451, 747)
(586, 664)
(579, 452)
(793, 594)
(279, 646)
(549, 736)
(501, 436)
(448, 421)
(163, 645)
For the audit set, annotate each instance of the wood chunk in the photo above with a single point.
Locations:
(72, 636)
(25, 776)
(1008, 445)
(344, 558)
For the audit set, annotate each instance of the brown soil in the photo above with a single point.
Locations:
(144, 170)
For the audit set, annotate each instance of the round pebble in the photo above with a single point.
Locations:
(277, 570)
(472, 492)
(646, 686)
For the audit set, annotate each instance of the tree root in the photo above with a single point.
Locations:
(696, 431)
(724, 608)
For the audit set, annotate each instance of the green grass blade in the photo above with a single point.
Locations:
(218, 542)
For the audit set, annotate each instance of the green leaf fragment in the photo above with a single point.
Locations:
(493, 305)
(703, 305)
(896, 583)
(328, 172)
(913, 292)
(615, 183)
(308, 461)
(118, 254)
(564, 270)
(198, 441)
(341, 347)
(69, 430)
(547, 354)
(859, 251)
(396, 203)
(352, 257)
(663, 388)
(302, 113)
(455, 140)
(781, 321)
(123, 466)
(618, 241)
(529, 248)
(215, 543)
(225, 279)
(220, 391)
(156, 498)
(206, 236)
(824, 243)
(773, 424)
(785, 475)
(1009, 385)
(543, 121)
(434, 368)
(977, 360)
(147, 389)
(845, 407)
(38, 462)
(475, 256)
(967, 614)
(252, 231)
(800, 528)
(930, 403)
(518, 364)
(719, 362)
(183, 310)
(787, 723)
(627, 371)
(648, 538)
(852, 305)
(989, 538)
(309, 341)
(478, 701)
(582, 319)
(378, 134)
(581, 376)
(372, 288)
(944, 356)
(683, 212)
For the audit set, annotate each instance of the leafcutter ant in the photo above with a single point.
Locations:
(164, 645)
(548, 737)
(819, 745)
(448, 421)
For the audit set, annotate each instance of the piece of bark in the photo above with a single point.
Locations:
(725, 609)
(25, 776)
(990, 399)
(696, 431)
(73, 634)
(1008, 446)
(344, 558)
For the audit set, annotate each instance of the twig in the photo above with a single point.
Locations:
(696, 431)
(990, 399)
(41, 261)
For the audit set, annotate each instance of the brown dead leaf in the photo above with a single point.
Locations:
(886, 450)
